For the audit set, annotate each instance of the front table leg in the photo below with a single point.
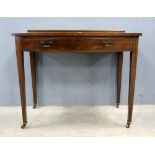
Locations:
(132, 76)
(21, 75)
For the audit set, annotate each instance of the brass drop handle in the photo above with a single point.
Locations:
(107, 43)
(46, 45)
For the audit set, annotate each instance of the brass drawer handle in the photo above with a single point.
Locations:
(107, 43)
(46, 45)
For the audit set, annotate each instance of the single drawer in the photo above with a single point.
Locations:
(78, 44)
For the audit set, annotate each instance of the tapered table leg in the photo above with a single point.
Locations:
(132, 76)
(119, 77)
(33, 76)
(21, 74)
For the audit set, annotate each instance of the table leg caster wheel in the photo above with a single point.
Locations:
(128, 124)
(34, 106)
(24, 125)
(117, 105)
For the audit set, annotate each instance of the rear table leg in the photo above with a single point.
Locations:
(33, 76)
(119, 77)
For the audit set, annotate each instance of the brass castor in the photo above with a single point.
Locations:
(117, 105)
(34, 106)
(128, 124)
(24, 125)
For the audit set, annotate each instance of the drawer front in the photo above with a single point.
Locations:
(78, 44)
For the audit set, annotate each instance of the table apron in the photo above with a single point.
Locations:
(78, 44)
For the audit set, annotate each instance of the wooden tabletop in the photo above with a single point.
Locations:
(74, 33)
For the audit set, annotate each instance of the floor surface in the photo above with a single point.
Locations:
(78, 121)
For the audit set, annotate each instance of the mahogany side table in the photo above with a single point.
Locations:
(76, 41)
